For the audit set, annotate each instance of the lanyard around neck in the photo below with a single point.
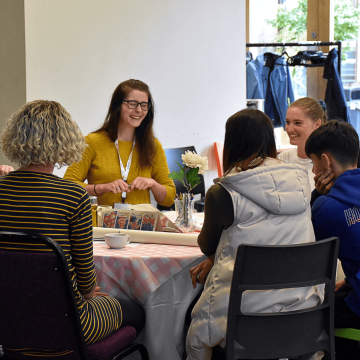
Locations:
(124, 172)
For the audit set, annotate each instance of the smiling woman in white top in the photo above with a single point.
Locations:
(302, 118)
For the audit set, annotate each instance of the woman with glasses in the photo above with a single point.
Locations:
(123, 160)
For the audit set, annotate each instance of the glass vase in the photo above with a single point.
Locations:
(184, 208)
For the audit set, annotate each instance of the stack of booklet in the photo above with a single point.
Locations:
(144, 217)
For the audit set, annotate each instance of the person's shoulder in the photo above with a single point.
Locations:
(70, 186)
(158, 148)
(287, 154)
(157, 144)
(216, 188)
(323, 204)
(99, 142)
(96, 137)
(217, 192)
(219, 200)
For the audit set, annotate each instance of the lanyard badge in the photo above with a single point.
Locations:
(124, 172)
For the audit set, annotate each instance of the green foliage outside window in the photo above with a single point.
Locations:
(346, 20)
(291, 25)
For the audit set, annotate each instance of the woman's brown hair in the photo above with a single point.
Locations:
(145, 140)
(249, 135)
(312, 108)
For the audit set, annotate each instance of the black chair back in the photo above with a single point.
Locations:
(282, 334)
(37, 306)
(173, 156)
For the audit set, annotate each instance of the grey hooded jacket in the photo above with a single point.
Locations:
(271, 207)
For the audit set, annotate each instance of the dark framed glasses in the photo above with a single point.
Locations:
(133, 104)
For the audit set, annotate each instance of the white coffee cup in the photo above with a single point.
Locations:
(117, 240)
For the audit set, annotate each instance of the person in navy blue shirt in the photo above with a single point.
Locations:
(334, 148)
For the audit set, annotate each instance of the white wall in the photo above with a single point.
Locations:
(190, 52)
(12, 62)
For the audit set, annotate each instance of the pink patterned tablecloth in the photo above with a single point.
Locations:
(139, 269)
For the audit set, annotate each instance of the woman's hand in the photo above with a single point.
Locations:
(339, 285)
(202, 270)
(142, 183)
(158, 190)
(95, 292)
(117, 187)
(324, 181)
(98, 292)
(5, 169)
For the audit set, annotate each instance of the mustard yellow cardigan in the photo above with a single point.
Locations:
(100, 165)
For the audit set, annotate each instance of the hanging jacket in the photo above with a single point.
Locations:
(271, 207)
(268, 78)
(335, 95)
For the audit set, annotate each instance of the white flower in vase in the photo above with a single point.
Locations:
(193, 160)
(194, 165)
(188, 176)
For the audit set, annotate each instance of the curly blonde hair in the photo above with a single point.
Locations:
(42, 133)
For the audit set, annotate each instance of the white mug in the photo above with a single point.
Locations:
(117, 240)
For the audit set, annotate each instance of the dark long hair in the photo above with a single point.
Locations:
(145, 140)
(249, 135)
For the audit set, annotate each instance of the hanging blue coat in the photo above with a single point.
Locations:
(268, 78)
(335, 95)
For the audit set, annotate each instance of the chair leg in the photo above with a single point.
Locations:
(143, 352)
(328, 355)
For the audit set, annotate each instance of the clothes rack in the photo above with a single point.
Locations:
(304, 43)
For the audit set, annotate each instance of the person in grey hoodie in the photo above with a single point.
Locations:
(259, 200)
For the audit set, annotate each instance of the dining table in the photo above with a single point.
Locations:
(158, 277)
